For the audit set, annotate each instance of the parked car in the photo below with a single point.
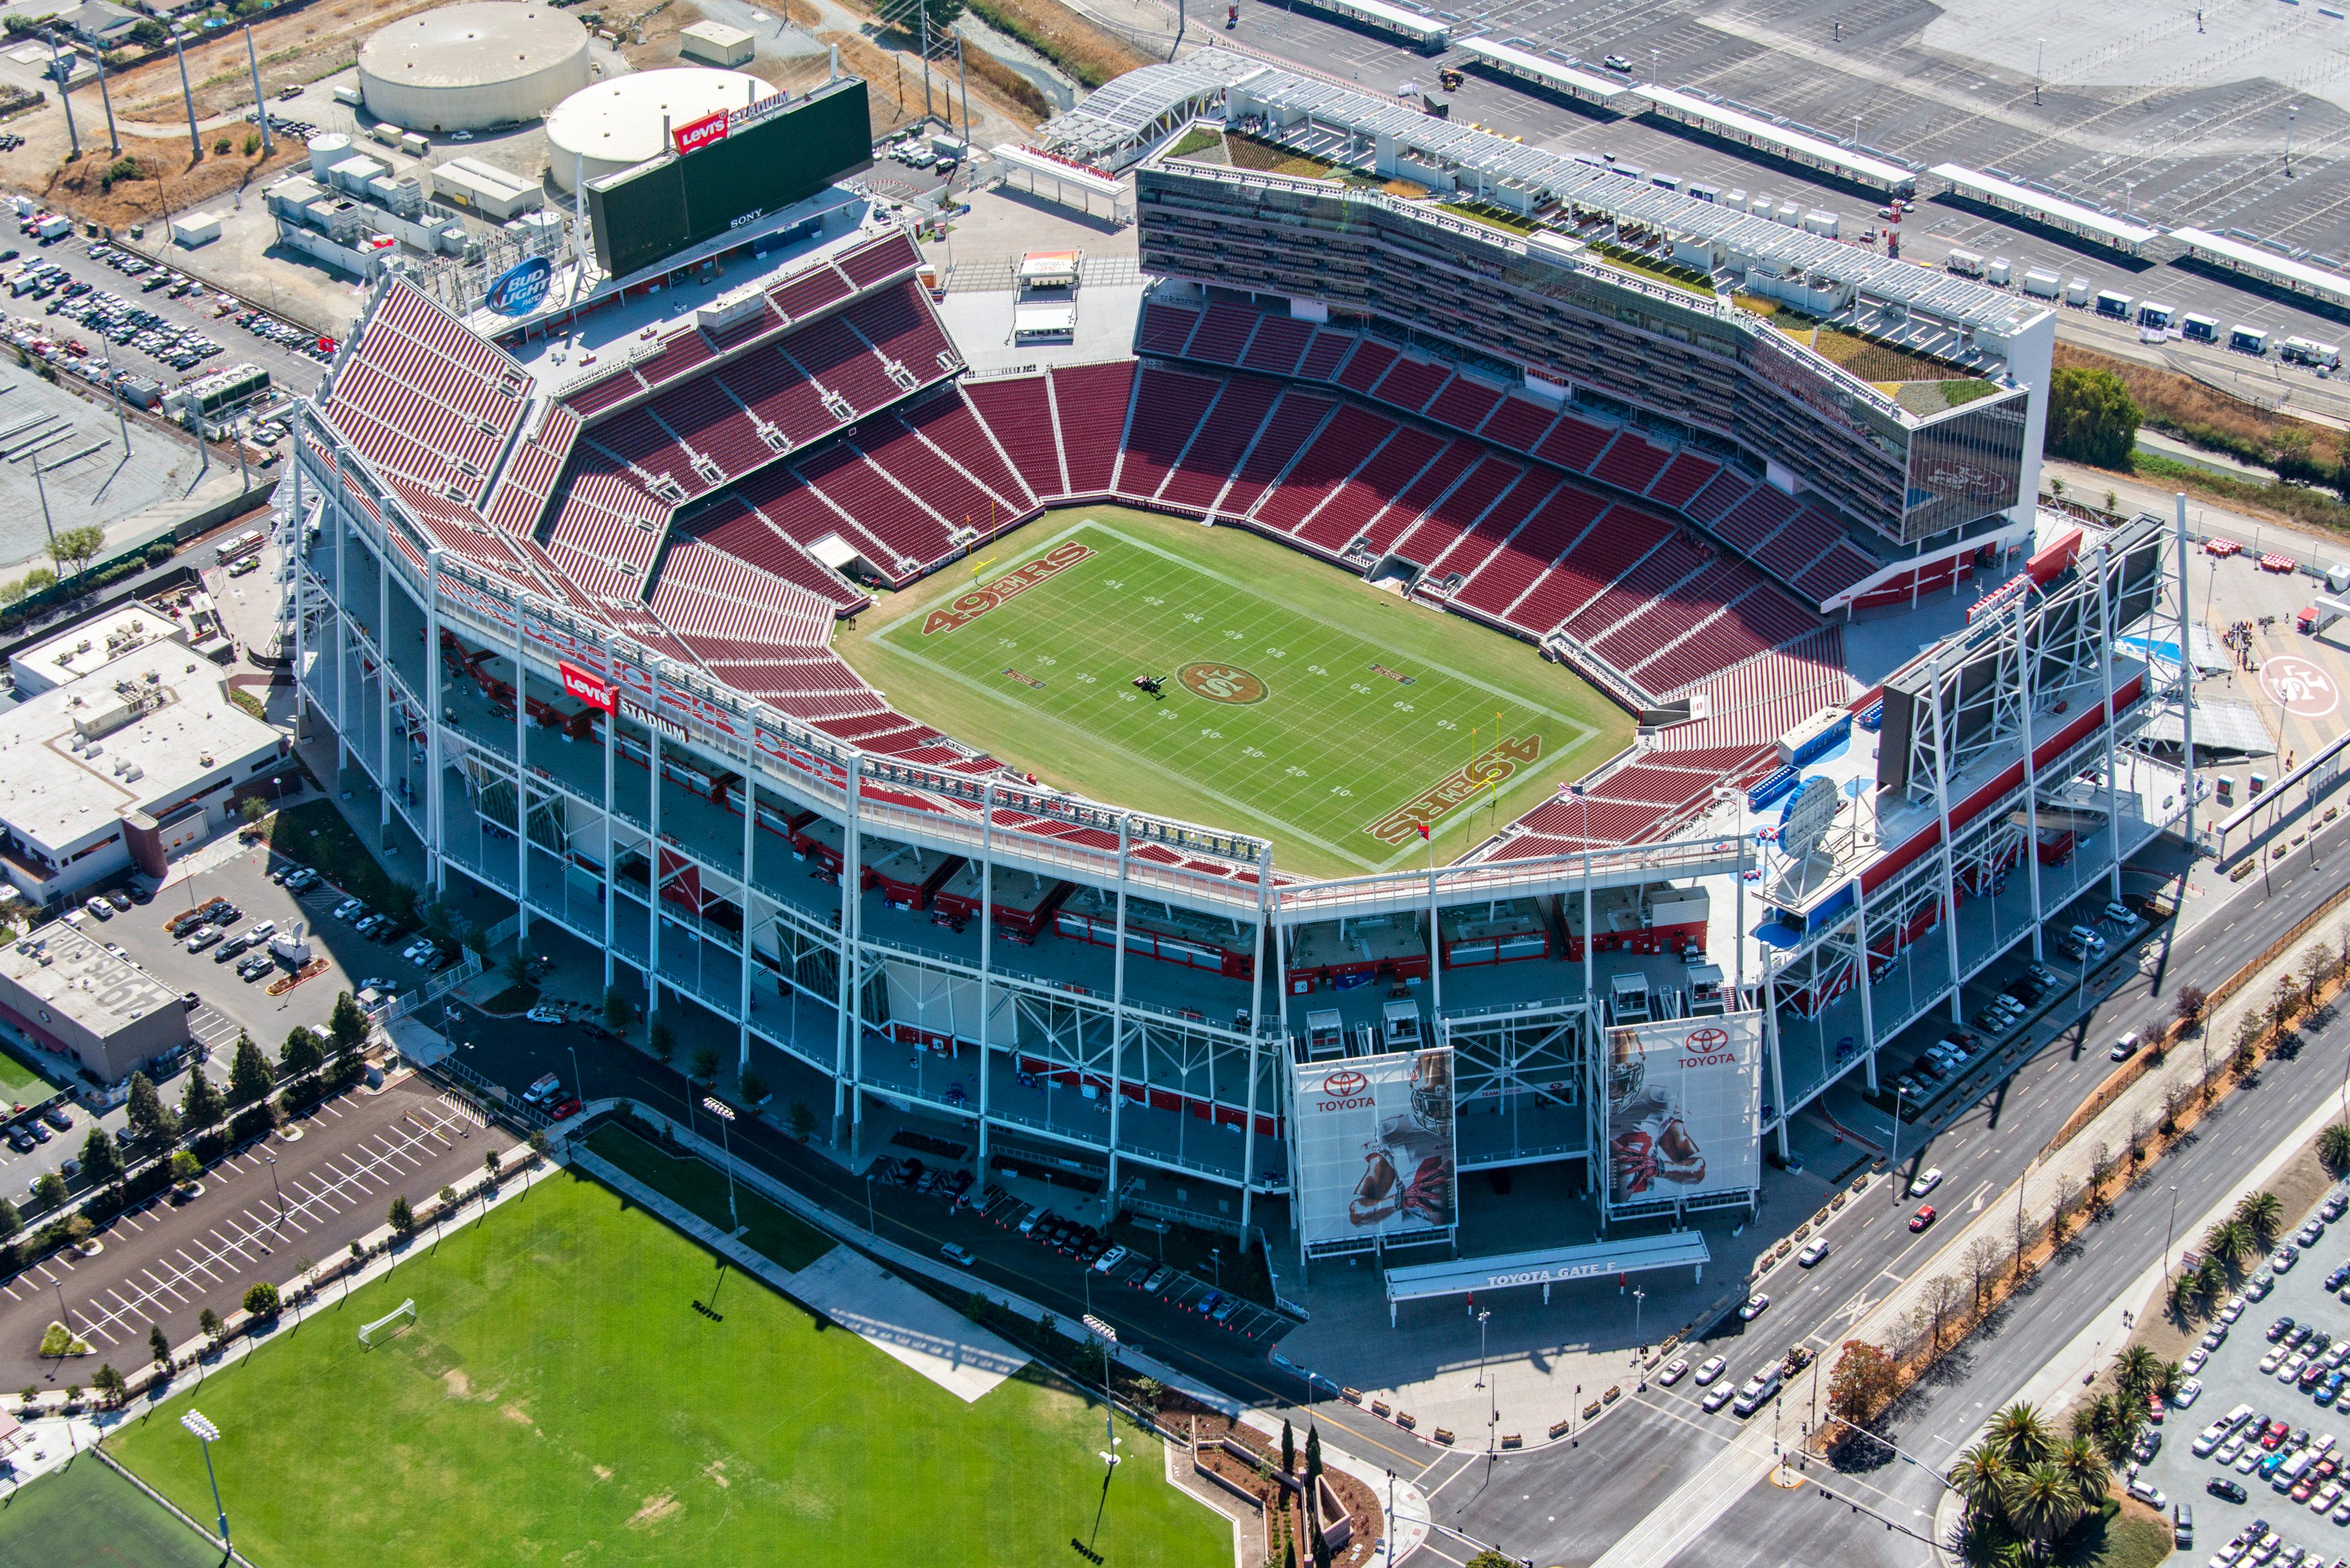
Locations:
(58, 1117)
(544, 1012)
(1710, 1370)
(204, 938)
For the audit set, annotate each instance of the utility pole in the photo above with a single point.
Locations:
(187, 95)
(113, 142)
(64, 96)
(923, 9)
(260, 104)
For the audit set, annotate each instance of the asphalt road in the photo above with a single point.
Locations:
(1568, 1506)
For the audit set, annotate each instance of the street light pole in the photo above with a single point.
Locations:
(208, 1434)
(1481, 1348)
(869, 1228)
(2169, 1228)
(272, 1160)
(725, 1115)
(1893, 1161)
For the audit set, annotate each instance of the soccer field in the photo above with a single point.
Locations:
(86, 1516)
(559, 1400)
(1294, 700)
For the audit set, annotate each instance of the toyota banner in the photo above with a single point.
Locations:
(1375, 1148)
(1684, 1102)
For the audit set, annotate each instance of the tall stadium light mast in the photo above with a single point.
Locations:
(207, 1434)
(187, 95)
(260, 104)
(64, 96)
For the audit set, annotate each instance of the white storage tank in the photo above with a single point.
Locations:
(473, 66)
(616, 124)
(326, 151)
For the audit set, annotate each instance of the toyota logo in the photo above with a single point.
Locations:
(1344, 1084)
(1703, 1039)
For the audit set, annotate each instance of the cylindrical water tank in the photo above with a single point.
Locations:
(616, 124)
(475, 66)
(327, 150)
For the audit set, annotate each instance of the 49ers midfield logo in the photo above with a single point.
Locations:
(1222, 684)
(968, 607)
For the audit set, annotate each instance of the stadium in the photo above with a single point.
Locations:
(1484, 785)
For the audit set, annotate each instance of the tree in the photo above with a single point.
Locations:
(253, 809)
(50, 1189)
(185, 1167)
(349, 1023)
(537, 1142)
(1488, 1558)
(660, 1038)
(439, 921)
(261, 1299)
(489, 1164)
(10, 1223)
(401, 1218)
(157, 1345)
(2041, 1504)
(1939, 1300)
(249, 1082)
(799, 1120)
(1313, 1456)
(2189, 1004)
(300, 1053)
(150, 1120)
(1980, 1478)
(517, 970)
(2261, 1213)
(109, 1383)
(2022, 1433)
(617, 1010)
(2090, 417)
(705, 1063)
(1983, 1261)
(2316, 964)
(754, 1089)
(476, 940)
(1863, 1384)
(208, 1323)
(200, 1105)
(448, 1201)
(2135, 1372)
(2334, 1147)
(76, 547)
(100, 1159)
(1288, 1449)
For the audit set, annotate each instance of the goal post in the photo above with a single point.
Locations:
(406, 1309)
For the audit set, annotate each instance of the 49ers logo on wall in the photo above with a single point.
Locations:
(1950, 477)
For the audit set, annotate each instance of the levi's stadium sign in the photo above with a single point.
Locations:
(696, 134)
(589, 688)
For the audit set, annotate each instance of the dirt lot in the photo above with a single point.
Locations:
(312, 43)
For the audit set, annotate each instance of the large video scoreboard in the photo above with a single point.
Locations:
(762, 160)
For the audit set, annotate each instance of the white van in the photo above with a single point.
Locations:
(1756, 1392)
(2126, 1047)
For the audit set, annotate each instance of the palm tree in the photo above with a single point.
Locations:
(2334, 1145)
(2136, 1373)
(2212, 1276)
(2042, 1504)
(1980, 1477)
(2084, 1465)
(2262, 1212)
(2022, 1435)
(2230, 1242)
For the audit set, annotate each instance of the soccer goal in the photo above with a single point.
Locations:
(406, 1309)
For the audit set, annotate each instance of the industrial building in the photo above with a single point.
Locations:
(473, 67)
(69, 996)
(716, 44)
(117, 768)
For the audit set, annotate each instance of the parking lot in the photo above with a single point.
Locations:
(261, 1214)
(2303, 1505)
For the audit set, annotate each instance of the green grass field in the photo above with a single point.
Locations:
(20, 1081)
(559, 1400)
(1299, 702)
(86, 1516)
(690, 1183)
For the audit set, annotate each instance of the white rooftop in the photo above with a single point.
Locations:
(73, 972)
(92, 644)
(55, 796)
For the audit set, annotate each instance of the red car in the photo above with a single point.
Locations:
(1923, 1218)
(564, 1109)
(2274, 1435)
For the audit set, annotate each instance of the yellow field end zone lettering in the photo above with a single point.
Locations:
(968, 607)
(1489, 766)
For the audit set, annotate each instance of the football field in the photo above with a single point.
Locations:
(1279, 696)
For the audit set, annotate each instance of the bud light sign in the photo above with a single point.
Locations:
(519, 289)
(699, 133)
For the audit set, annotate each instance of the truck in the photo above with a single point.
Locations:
(2043, 284)
(54, 226)
(1756, 1391)
(2248, 340)
(2198, 328)
(1966, 264)
(2113, 303)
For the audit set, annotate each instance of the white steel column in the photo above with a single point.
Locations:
(1256, 1033)
(610, 729)
(1435, 938)
(1771, 1037)
(986, 957)
(750, 839)
(2105, 668)
(436, 863)
(1868, 1004)
(340, 513)
(383, 689)
(852, 930)
(2031, 664)
(522, 787)
(652, 867)
(1949, 863)
(1118, 1024)
(2186, 678)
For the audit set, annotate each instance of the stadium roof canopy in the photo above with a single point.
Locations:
(1119, 123)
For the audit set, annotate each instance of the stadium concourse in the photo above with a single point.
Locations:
(709, 499)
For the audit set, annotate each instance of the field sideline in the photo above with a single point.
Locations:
(559, 1399)
(1295, 700)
